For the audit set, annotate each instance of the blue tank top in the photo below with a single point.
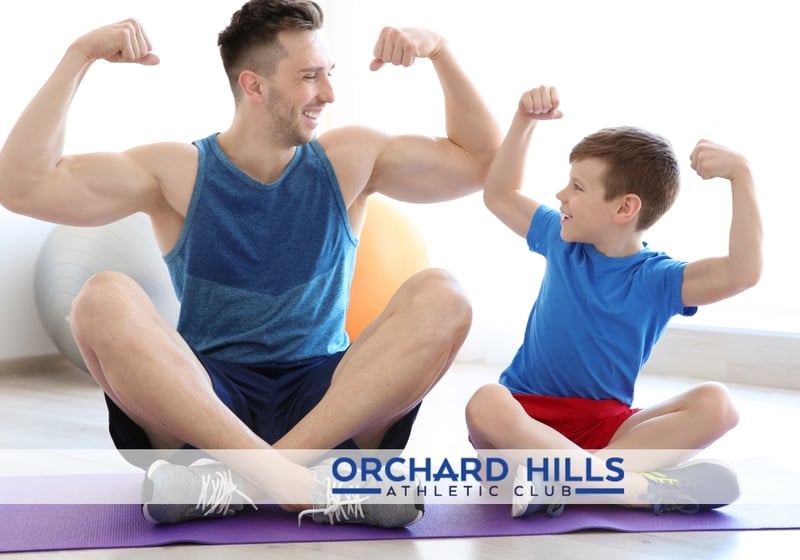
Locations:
(263, 271)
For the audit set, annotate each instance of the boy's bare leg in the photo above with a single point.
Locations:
(497, 421)
(691, 420)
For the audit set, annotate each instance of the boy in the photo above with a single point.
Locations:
(605, 300)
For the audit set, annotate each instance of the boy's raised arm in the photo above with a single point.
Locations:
(710, 280)
(503, 191)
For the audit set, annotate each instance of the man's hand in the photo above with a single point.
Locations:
(540, 103)
(711, 160)
(124, 41)
(402, 47)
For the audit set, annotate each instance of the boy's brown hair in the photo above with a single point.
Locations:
(639, 162)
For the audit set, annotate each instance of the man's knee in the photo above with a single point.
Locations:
(103, 296)
(438, 294)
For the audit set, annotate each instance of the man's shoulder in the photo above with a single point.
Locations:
(353, 152)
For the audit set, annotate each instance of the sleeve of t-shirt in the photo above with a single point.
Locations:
(545, 230)
(666, 274)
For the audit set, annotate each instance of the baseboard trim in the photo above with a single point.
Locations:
(765, 359)
(31, 364)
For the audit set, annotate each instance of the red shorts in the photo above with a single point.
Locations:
(588, 423)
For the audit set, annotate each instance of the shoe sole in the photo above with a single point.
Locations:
(420, 515)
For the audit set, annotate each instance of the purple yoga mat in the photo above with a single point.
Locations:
(60, 527)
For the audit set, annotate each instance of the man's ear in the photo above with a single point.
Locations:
(628, 209)
(252, 86)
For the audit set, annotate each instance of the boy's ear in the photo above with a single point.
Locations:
(628, 209)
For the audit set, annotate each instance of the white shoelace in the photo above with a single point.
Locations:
(217, 493)
(341, 507)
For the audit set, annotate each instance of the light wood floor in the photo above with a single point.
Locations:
(47, 403)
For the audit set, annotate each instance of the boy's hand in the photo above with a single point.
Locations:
(124, 41)
(711, 160)
(402, 47)
(540, 103)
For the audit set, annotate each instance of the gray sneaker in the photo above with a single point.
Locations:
(531, 495)
(333, 504)
(695, 486)
(204, 489)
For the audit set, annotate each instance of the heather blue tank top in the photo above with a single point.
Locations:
(263, 271)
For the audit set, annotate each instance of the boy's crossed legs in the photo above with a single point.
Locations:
(654, 444)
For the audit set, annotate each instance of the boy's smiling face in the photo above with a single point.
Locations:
(586, 216)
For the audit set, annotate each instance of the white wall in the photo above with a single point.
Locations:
(714, 68)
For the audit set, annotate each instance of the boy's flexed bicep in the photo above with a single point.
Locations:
(503, 193)
(706, 281)
(713, 279)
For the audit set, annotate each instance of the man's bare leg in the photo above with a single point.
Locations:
(395, 362)
(153, 376)
(147, 369)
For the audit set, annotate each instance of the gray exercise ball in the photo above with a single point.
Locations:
(71, 255)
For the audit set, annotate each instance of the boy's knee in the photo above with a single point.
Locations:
(715, 400)
(485, 405)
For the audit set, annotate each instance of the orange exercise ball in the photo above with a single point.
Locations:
(390, 251)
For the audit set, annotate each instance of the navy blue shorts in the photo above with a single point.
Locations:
(270, 400)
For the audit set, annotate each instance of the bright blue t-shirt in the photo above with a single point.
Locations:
(596, 318)
(263, 271)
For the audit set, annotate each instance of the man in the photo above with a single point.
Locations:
(259, 227)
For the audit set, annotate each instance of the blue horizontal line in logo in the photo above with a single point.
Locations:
(355, 490)
(599, 490)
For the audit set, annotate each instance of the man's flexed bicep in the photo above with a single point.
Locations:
(90, 190)
(35, 177)
(410, 168)
(420, 168)
(425, 169)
